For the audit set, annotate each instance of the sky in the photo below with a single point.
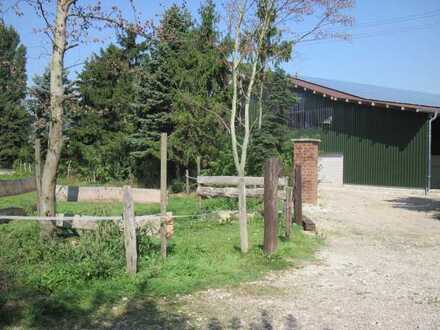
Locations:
(395, 43)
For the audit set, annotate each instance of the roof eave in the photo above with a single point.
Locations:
(336, 95)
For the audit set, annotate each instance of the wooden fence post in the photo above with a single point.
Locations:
(129, 231)
(288, 211)
(163, 194)
(198, 185)
(272, 170)
(187, 181)
(298, 196)
(59, 221)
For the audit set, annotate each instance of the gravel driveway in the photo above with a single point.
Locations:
(380, 269)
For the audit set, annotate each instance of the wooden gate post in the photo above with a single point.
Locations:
(272, 170)
(288, 211)
(187, 181)
(298, 196)
(198, 185)
(129, 231)
(163, 194)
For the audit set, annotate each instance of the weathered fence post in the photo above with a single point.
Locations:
(60, 219)
(129, 231)
(298, 196)
(272, 170)
(187, 181)
(163, 194)
(288, 211)
(198, 185)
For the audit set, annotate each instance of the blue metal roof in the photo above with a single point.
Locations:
(377, 93)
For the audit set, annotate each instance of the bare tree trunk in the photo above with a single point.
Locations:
(239, 165)
(242, 209)
(260, 106)
(55, 139)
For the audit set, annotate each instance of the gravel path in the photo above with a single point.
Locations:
(380, 269)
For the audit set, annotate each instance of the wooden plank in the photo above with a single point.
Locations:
(106, 194)
(163, 194)
(17, 187)
(298, 196)
(233, 192)
(272, 169)
(234, 180)
(129, 231)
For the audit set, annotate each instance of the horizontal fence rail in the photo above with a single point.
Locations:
(234, 180)
(149, 222)
(105, 194)
(233, 192)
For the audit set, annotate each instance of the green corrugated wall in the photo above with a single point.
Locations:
(380, 147)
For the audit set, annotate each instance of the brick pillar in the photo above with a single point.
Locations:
(305, 153)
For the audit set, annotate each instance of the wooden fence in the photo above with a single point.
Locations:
(153, 224)
(17, 187)
(227, 186)
(161, 224)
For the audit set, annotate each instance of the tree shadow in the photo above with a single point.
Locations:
(30, 308)
(265, 322)
(419, 204)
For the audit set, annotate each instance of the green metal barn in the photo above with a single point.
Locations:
(371, 135)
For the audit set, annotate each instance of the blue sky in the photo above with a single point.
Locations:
(396, 43)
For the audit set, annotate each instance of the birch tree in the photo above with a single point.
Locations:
(251, 26)
(66, 24)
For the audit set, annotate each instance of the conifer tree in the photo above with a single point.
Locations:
(14, 120)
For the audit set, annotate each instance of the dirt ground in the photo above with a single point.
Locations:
(379, 269)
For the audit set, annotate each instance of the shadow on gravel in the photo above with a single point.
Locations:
(264, 323)
(420, 204)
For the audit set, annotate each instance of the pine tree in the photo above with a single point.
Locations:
(156, 84)
(14, 120)
(102, 123)
(199, 102)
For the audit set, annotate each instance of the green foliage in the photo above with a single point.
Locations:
(273, 139)
(97, 142)
(14, 120)
(74, 279)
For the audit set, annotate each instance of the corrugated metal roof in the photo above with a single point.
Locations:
(378, 93)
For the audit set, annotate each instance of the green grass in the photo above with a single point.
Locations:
(76, 280)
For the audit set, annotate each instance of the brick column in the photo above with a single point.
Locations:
(305, 153)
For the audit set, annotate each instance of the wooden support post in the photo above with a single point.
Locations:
(272, 170)
(288, 211)
(129, 231)
(187, 181)
(298, 196)
(60, 219)
(198, 184)
(163, 194)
